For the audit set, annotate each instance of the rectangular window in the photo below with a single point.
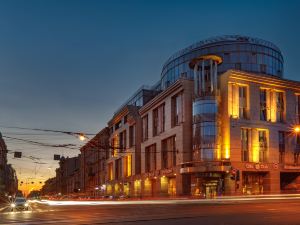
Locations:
(168, 152)
(243, 102)
(263, 145)
(121, 144)
(118, 171)
(263, 104)
(238, 106)
(159, 120)
(150, 158)
(145, 128)
(245, 144)
(281, 147)
(279, 106)
(297, 150)
(114, 146)
(122, 141)
(177, 110)
(238, 66)
(298, 108)
(118, 125)
(125, 119)
(128, 166)
(263, 68)
(110, 171)
(131, 136)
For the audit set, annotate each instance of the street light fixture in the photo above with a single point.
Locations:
(82, 137)
(297, 129)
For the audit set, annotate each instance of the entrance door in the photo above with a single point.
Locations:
(210, 189)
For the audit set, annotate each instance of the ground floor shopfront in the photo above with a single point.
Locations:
(267, 178)
(160, 183)
(252, 179)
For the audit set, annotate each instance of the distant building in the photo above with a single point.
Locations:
(93, 167)
(8, 177)
(123, 163)
(66, 175)
(50, 187)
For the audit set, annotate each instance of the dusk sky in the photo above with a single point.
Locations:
(68, 65)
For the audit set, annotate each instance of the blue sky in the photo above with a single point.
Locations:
(70, 64)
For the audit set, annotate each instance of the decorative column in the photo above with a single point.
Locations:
(211, 74)
(196, 80)
(203, 77)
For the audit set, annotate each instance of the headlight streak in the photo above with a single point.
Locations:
(181, 201)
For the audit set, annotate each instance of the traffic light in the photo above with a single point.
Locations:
(18, 154)
(56, 157)
(237, 175)
(233, 174)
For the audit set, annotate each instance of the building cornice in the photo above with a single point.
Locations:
(170, 90)
(264, 79)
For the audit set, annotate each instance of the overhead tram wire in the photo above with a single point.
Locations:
(103, 147)
(72, 133)
(68, 146)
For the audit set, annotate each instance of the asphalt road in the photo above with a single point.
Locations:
(275, 212)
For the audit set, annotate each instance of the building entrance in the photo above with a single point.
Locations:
(210, 189)
(207, 186)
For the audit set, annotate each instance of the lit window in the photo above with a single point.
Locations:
(245, 142)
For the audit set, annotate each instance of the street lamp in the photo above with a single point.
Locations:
(82, 137)
(297, 129)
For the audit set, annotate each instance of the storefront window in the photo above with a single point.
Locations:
(253, 183)
(137, 188)
(172, 186)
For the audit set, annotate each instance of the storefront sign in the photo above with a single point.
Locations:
(166, 172)
(261, 166)
(150, 174)
(292, 167)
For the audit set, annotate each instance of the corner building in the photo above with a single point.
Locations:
(222, 120)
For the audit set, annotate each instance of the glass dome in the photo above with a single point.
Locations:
(237, 52)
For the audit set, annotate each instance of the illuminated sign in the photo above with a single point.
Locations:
(261, 166)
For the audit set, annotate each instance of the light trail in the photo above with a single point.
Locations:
(169, 201)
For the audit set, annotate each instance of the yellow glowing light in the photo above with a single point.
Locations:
(297, 129)
(82, 137)
(227, 152)
(129, 165)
